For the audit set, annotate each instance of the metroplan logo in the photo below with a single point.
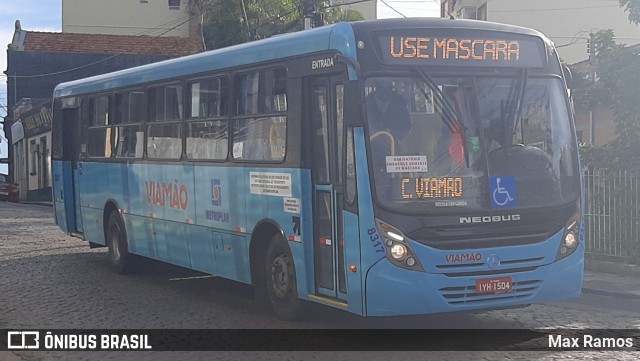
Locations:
(216, 192)
(23, 340)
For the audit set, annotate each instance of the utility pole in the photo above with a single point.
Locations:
(591, 50)
(308, 8)
(246, 20)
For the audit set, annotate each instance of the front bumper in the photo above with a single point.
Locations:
(391, 290)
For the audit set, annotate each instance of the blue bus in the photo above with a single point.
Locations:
(387, 167)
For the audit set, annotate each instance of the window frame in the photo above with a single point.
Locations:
(235, 115)
(91, 123)
(119, 116)
(151, 115)
(279, 87)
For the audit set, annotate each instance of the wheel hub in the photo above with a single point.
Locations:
(115, 245)
(280, 276)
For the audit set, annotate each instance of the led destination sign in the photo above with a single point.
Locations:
(437, 187)
(462, 49)
(468, 49)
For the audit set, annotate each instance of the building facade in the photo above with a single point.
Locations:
(127, 17)
(568, 24)
(368, 9)
(37, 62)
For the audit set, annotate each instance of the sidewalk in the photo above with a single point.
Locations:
(39, 203)
(9, 356)
(611, 279)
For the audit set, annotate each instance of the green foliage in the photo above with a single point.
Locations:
(617, 87)
(632, 7)
(230, 22)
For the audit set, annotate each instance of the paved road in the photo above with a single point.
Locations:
(50, 280)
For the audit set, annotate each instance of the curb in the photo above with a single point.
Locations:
(616, 294)
(44, 204)
(9, 356)
(611, 267)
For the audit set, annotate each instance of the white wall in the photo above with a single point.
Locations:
(125, 17)
(38, 161)
(20, 175)
(567, 23)
(366, 8)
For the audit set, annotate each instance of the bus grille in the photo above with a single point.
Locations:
(466, 295)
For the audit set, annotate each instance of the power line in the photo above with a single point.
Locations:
(98, 61)
(347, 3)
(148, 30)
(556, 9)
(392, 8)
(180, 21)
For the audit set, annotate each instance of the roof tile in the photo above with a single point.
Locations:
(109, 44)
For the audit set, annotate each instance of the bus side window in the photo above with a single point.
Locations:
(100, 131)
(208, 128)
(260, 124)
(164, 130)
(277, 138)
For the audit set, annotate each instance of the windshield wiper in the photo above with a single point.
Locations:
(450, 118)
(516, 106)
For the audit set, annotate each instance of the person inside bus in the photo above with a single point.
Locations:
(389, 122)
(388, 111)
(454, 151)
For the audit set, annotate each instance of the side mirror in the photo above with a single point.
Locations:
(568, 78)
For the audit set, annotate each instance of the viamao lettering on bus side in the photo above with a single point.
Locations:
(175, 195)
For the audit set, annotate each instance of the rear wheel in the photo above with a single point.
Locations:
(119, 255)
(280, 282)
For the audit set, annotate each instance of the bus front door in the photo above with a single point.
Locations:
(325, 102)
(72, 169)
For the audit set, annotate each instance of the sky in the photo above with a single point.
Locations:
(408, 8)
(46, 15)
(35, 15)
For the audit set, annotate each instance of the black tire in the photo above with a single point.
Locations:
(119, 256)
(280, 280)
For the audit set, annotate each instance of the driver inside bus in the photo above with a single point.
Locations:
(389, 122)
(388, 111)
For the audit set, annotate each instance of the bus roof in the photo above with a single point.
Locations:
(439, 23)
(337, 36)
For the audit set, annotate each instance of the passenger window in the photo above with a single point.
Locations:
(208, 140)
(129, 113)
(259, 126)
(164, 141)
(164, 132)
(209, 98)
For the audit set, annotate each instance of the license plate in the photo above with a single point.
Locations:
(494, 285)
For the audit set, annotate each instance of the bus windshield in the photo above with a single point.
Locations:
(476, 142)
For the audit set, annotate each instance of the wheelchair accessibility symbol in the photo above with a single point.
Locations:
(503, 192)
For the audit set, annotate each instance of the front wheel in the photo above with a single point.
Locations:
(281, 287)
(119, 255)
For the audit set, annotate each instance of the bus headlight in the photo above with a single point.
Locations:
(399, 251)
(570, 238)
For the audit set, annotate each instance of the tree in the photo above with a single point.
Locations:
(617, 87)
(230, 22)
(632, 7)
